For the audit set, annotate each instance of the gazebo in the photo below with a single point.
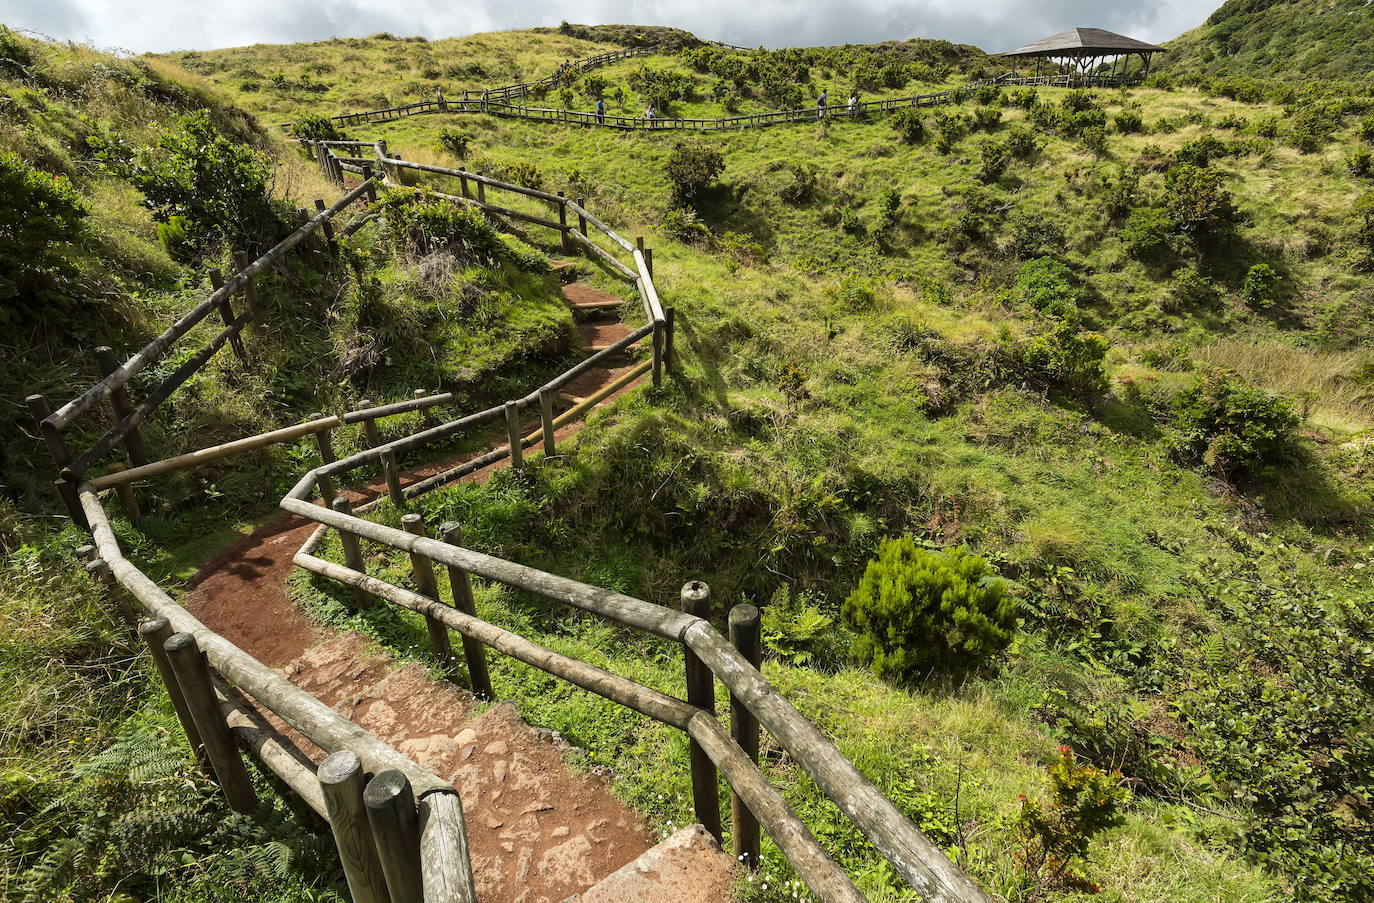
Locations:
(1084, 50)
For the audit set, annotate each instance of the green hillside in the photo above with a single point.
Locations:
(1297, 40)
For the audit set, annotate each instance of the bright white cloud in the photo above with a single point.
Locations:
(142, 25)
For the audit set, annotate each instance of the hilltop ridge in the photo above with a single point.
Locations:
(1288, 39)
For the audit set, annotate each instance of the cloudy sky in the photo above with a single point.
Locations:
(139, 25)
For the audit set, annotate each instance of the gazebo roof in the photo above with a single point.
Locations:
(1084, 41)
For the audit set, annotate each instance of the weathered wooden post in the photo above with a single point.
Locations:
(426, 414)
(696, 600)
(369, 427)
(371, 185)
(564, 241)
(353, 553)
(517, 457)
(226, 315)
(582, 219)
(119, 399)
(341, 783)
(382, 156)
(325, 443)
(649, 261)
(463, 182)
(657, 341)
(57, 447)
(481, 189)
(127, 500)
(393, 479)
(546, 419)
(461, 585)
(250, 290)
(193, 676)
(328, 229)
(156, 632)
(744, 728)
(669, 332)
(423, 570)
(395, 824)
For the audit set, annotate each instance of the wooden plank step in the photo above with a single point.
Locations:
(584, 297)
(600, 336)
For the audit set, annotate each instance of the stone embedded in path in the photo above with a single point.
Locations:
(688, 867)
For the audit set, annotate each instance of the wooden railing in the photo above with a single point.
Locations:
(215, 715)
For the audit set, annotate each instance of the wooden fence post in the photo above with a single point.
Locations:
(226, 315)
(328, 229)
(546, 419)
(581, 219)
(353, 552)
(423, 570)
(371, 186)
(564, 241)
(696, 600)
(341, 783)
(395, 824)
(119, 399)
(460, 584)
(517, 457)
(744, 727)
(193, 676)
(127, 500)
(369, 427)
(657, 340)
(669, 333)
(463, 182)
(380, 147)
(325, 443)
(156, 632)
(481, 189)
(57, 447)
(649, 261)
(426, 414)
(250, 290)
(393, 480)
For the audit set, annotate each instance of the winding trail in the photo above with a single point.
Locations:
(538, 831)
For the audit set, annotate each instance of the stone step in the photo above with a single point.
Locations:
(688, 867)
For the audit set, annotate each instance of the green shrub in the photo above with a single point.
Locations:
(683, 224)
(1021, 142)
(217, 185)
(1049, 286)
(1233, 428)
(1232, 122)
(456, 142)
(909, 125)
(993, 159)
(1031, 235)
(985, 119)
(426, 223)
(917, 611)
(890, 209)
(1200, 151)
(691, 168)
(314, 127)
(1128, 122)
(854, 292)
(1068, 358)
(802, 187)
(1360, 163)
(38, 214)
(1054, 835)
(1261, 287)
(794, 629)
(1268, 126)
(951, 127)
(1147, 233)
(1094, 139)
(1078, 101)
(1197, 200)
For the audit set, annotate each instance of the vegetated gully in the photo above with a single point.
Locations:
(537, 831)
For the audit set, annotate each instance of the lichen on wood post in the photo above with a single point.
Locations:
(696, 600)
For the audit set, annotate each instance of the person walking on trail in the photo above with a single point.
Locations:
(820, 104)
(854, 103)
(649, 114)
(601, 111)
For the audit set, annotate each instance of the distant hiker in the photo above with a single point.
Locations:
(649, 114)
(601, 111)
(820, 104)
(854, 104)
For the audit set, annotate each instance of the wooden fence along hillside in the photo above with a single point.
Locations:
(498, 102)
(217, 689)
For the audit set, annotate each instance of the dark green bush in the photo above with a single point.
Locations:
(1261, 288)
(918, 611)
(1049, 286)
(38, 214)
(1233, 428)
(314, 127)
(1078, 101)
(1128, 122)
(1031, 235)
(217, 185)
(1021, 142)
(691, 168)
(985, 119)
(1200, 151)
(425, 223)
(1067, 358)
(456, 142)
(1084, 801)
(1147, 233)
(802, 187)
(993, 159)
(1360, 163)
(1197, 200)
(909, 124)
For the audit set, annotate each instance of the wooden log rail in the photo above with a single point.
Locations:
(918, 860)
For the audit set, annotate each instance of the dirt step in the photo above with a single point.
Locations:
(688, 867)
(583, 297)
(536, 830)
(600, 336)
(566, 270)
(586, 385)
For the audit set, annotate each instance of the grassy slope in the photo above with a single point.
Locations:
(1292, 39)
(755, 488)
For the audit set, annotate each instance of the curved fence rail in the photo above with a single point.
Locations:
(214, 707)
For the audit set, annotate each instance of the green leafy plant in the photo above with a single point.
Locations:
(39, 213)
(1234, 428)
(796, 630)
(1128, 122)
(1055, 834)
(1261, 288)
(1049, 286)
(909, 125)
(1198, 201)
(917, 610)
(1068, 358)
(314, 127)
(1147, 233)
(691, 168)
(456, 142)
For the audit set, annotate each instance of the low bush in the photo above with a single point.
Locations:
(1067, 358)
(314, 127)
(909, 125)
(1147, 233)
(1049, 286)
(1197, 200)
(1021, 142)
(38, 214)
(993, 159)
(917, 611)
(1233, 428)
(1055, 834)
(1128, 122)
(456, 142)
(692, 167)
(1261, 287)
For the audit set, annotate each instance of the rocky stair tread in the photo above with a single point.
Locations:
(688, 867)
(583, 297)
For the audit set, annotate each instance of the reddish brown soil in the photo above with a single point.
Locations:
(538, 832)
(596, 336)
(583, 297)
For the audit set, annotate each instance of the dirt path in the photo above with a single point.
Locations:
(538, 832)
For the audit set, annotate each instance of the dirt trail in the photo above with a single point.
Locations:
(538, 832)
